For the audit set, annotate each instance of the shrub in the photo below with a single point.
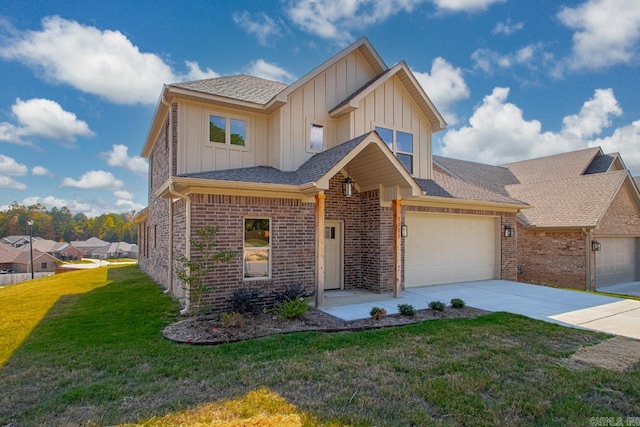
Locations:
(406, 309)
(246, 300)
(232, 319)
(457, 303)
(378, 313)
(292, 308)
(290, 293)
(437, 305)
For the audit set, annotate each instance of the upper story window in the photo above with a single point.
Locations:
(227, 130)
(401, 143)
(316, 137)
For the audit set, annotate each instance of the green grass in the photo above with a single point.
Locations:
(86, 348)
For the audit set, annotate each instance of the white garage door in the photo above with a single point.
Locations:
(616, 261)
(449, 248)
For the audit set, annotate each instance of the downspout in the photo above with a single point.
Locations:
(587, 251)
(187, 249)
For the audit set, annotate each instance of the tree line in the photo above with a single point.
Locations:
(61, 225)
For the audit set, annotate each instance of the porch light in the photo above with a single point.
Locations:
(595, 245)
(347, 187)
(508, 231)
(404, 230)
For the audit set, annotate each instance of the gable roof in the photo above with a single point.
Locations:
(410, 83)
(573, 202)
(555, 167)
(492, 178)
(366, 158)
(8, 253)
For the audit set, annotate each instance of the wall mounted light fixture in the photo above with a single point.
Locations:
(347, 187)
(404, 230)
(508, 231)
(595, 245)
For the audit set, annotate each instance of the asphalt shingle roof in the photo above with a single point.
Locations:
(553, 168)
(573, 202)
(241, 87)
(492, 178)
(312, 170)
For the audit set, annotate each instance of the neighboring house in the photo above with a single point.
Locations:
(87, 247)
(116, 250)
(583, 229)
(326, 182)
(17, 241)
(18, 260)
(67, 252)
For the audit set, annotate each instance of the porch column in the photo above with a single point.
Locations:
(320, 249)
(397, 248)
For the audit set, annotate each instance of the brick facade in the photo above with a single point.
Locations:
(622, 217)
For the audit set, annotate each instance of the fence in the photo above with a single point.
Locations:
(10, 279)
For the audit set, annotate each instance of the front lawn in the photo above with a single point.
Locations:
(86, 348)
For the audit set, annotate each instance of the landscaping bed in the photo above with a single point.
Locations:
(210, 330)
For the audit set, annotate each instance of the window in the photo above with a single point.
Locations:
(401, 143)
(316, 137)
(43, 265)
(225, 130)
(257, 247)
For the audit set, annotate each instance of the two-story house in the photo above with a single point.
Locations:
(327, 182)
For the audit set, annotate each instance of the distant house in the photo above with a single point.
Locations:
(87, 247)
(16, 241)
(116, 250)
(17, 260)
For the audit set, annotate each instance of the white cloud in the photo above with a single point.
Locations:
(104, 63)
(264, 28)
(607, 32)
(9, 166)
(195, 73)
(265, 70)
(507, 28)
(91, 209)
(119, 156)
(498, 132)
(128, 205)
(488, 60)
(95, 180)
(123, 194)
(444, 86)
(11, 184)
(40, 171)
(465, 5)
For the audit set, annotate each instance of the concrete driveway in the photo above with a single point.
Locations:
(629, 288)
(570, 308)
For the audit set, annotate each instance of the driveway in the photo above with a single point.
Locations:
(570, 308)
(629, 288)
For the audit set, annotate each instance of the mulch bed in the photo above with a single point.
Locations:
(208, 330)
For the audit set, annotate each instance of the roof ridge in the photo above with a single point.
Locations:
(551, 155)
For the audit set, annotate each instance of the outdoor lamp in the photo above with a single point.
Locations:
(508, 231)
(30, 223)
(404, 230)
(595, 245)
(347, 187)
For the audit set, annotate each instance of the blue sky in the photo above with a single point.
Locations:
(514, 79)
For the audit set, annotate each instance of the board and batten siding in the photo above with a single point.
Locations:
(312, 102)
(196, 153)
(391, 106)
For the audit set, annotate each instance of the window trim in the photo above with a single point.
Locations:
(269, 250)
(307, 130)
(394, 149)
(227, 137)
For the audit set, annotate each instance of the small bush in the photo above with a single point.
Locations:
(406, 310)
(246, 300)
(378, 313)
(290, 293)
(437, 305)
(232, 320)
(292, 309)
(457, 303)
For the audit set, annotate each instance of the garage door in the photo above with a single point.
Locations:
(616, 261)
(449, 248)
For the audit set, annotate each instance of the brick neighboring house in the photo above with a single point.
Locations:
(583, 229)
(326, 182)
(18, 260)
(86, 247)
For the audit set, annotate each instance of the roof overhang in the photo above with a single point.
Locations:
(444, 202)
(410, 83)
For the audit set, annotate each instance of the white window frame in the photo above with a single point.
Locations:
(227, 137)
(251, 248)
(394, 143)
(319, 123)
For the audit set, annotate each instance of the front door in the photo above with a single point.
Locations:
(333, 255)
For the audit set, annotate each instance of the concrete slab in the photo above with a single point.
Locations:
(562, 306)
(628, 288)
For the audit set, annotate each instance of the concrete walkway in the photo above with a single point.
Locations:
(579, 309)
